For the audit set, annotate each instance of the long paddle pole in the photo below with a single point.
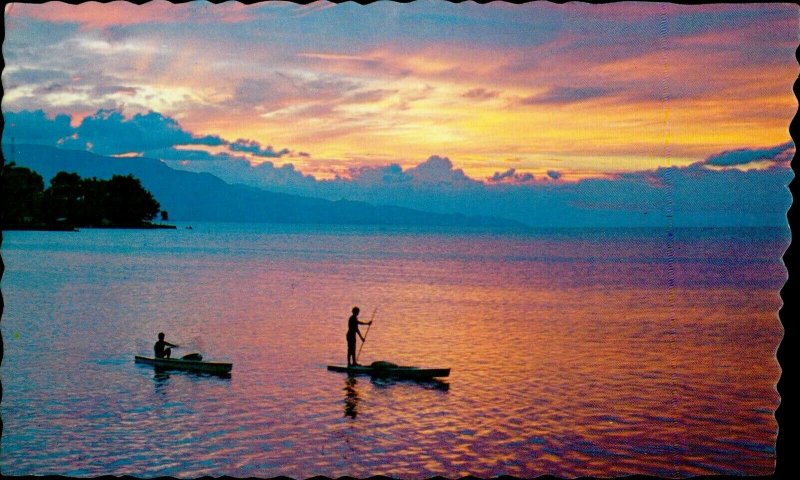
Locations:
(365, 334)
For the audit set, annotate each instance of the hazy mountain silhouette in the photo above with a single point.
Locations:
(189, 196)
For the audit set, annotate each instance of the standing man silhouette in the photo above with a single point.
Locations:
(352, 330)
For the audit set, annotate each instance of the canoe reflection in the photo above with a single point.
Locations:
(161, 377)
(428, 384)
(352, 396)
(164, 373)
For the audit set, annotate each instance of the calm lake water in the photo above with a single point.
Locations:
(573, 352)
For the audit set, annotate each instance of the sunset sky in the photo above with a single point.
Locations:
(503, 93)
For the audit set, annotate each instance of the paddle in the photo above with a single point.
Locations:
(367, 333)
(189, 356)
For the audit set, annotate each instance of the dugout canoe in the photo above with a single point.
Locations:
(188, 365)
(388, 369)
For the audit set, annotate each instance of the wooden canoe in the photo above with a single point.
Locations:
(189, 365)
(386, 369)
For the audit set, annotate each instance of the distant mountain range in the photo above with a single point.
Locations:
(189, 196)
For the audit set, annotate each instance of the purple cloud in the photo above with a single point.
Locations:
(101, 90)
(285, 175)
(438, 170)
(481, 94)
(379, 176)
(254, 147)
(27, 76)
(780, 154)
(280, 90)
(511, 176)
(370, 96)
(564, 95)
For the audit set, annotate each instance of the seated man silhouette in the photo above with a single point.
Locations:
(161, 347)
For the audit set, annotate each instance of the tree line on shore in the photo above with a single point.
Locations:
(71, 201)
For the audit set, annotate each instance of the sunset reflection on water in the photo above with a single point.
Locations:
(567, 355)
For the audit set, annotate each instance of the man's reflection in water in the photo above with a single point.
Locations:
(351, 397)
(160, 379)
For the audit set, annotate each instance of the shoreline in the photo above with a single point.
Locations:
(66, 228)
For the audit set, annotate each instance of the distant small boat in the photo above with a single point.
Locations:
(186, 364)
(388, 369)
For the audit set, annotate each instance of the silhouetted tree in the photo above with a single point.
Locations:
(164, 216)
(95, 196)
(22, 191)
(128, 203)
(65, 198)
(121, 201)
